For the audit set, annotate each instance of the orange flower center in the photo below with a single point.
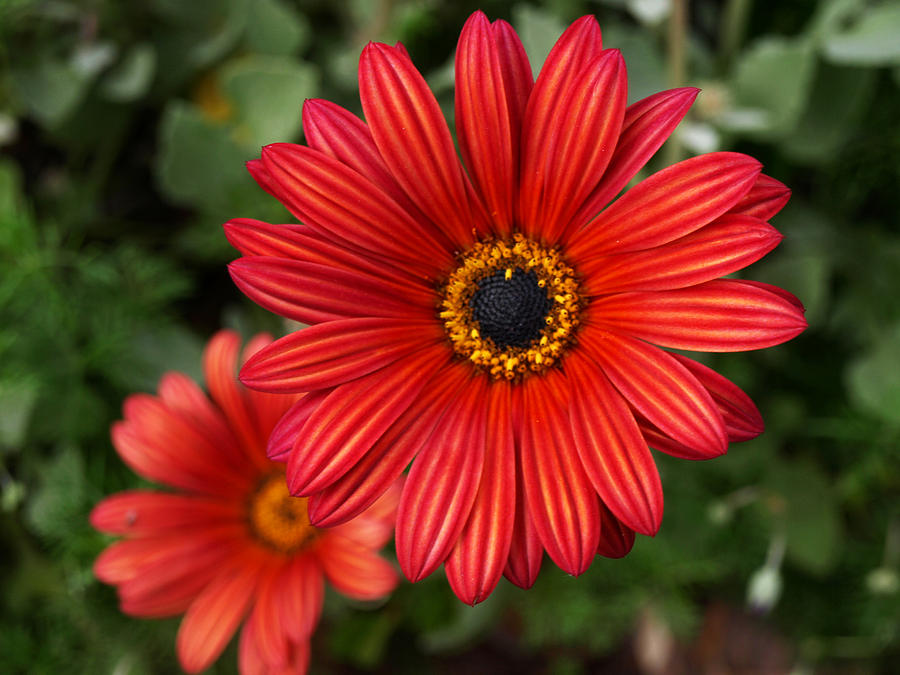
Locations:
(511, 307)
(277, 519)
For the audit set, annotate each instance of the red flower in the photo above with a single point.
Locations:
(482, 321)
(231, 542)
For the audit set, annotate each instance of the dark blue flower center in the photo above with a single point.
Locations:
(511, 311)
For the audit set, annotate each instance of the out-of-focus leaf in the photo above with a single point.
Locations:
(17, 399)
(873, 39)
(802, 503)
(50, 89)
(267, 93)
(198, 161)
(873, 379)
(646, 68)
(132, 76)
(538, 31)
(772, 82)
(839, 98)
(168, 348)
(60, 500)
(361, 639)
(274, 27)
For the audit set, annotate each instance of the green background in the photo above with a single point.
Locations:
(124, 127)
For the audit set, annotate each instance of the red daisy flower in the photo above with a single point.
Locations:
(231, 542)
(498, 322)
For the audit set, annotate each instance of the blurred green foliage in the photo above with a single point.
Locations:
(124, 128)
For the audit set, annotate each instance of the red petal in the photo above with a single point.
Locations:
(284, 434)
(613, 452)
(343, 204)
(352, 419)
(144, 513)
(216, 613)
(220, 359)
(328, 354)
(476, 563)
(582, 141)
(355, 570)
(414, 141)
(442, 485)
(722, 247)
(657, 440)
(311, 293)
(766, 198)
(669, 204)
(483, 124)
(262, 177)
(616, 540)
(301, 242)
(559, 494)
(341, 134)
(725, 315)
(299, 602)
(661, 389)
(578, 46)
(371, 475)
(272, 641)
(646, 126)
(741, 416)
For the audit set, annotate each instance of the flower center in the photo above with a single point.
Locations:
(511, 307)
(277, 519)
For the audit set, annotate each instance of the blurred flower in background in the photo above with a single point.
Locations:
(230, 543)
(486, 325)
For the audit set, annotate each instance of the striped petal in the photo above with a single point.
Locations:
(741, 416)
(285, 432)
(766, 198)
(442, 485)
(351, 419)
(414, 140)
(578, 46)
(216, 613)
(582, 142)
(146, 513)
(729, 244)
(646, 126)
(660, 389)
(669, 204)
(299, 602)
(559, 494)
(312, 293)
(657, 440)
(341, 203)
(376, 471)
(341, 134)
(483, 125)
(613, 452)
(724, 315)
(476, 563)
(328, 354)
(616, 540)
(272, 641)
(355, 570)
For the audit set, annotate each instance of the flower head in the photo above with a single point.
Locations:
(229, 543)
(501, 321)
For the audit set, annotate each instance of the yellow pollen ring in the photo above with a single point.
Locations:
(487, 258)
(278, 520)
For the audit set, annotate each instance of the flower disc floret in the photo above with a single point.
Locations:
(511, 307)
(278, 520)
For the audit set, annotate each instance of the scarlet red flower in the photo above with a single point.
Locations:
(498, 321)
(231, 542)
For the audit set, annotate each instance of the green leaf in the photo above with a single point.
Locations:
(274, 27)
(873, 379)
(198, 162)
(168, 348)
(267, 93)
(132, 76)
(770, 87)
(802, 503)
(840, 96)
(57, 508)
(51, 89)
(17, 399)
(872, 40)
(538, 31)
